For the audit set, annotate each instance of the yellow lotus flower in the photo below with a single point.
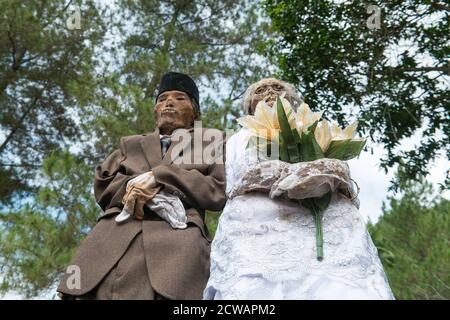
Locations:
(263, 124)
(343, 134)
(305, 117)
(323, 135)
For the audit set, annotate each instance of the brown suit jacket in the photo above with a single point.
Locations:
(177, 259)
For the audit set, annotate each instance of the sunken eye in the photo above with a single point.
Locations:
(162, 98)
(260, 90)
(181, 98)
(278, 87)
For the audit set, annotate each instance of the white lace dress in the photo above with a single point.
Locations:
(266, 248)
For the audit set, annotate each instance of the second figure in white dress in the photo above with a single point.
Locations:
(266, 248)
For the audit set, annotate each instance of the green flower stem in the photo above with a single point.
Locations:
(319, 233)
(315, 210)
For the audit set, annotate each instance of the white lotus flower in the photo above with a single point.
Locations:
(344, 134)
(305, 117)
(323, 135)
(263, 124)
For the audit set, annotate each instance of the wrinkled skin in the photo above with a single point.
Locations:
(268, 91)
(174, 109)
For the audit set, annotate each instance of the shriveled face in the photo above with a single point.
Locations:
(267, 90)
(173, 110)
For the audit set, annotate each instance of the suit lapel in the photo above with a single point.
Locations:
(169, 158)
(152, 148)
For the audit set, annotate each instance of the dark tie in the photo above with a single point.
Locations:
(165, 143)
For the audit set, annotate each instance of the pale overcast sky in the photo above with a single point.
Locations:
(374, 182)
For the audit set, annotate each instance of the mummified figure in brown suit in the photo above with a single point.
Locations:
(144, 257)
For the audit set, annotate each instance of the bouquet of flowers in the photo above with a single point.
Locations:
(302, 136)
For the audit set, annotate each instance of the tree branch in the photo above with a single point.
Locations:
(22, 118)
(168, 35)
(440, 6)
(20, 165)
(445, 69)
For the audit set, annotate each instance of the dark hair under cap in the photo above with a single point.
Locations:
(181, 82)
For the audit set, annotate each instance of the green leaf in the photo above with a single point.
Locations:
(345, 149)
(286, 134)
(310, 149)
(296, 136)
(317, 149)
(284, 156)
(298, 142)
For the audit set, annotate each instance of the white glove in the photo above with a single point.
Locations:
(169, 208)
(312, 179)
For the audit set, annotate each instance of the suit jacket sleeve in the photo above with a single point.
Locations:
(110, 182)
(205, 191)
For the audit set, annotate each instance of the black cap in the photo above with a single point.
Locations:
(181, 82)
